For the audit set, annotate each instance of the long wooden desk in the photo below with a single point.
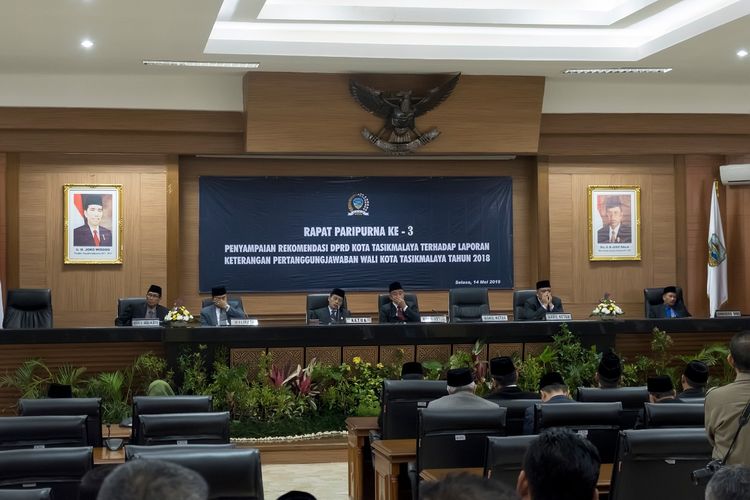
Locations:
(358, 431)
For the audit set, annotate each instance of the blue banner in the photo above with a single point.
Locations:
(317, 233)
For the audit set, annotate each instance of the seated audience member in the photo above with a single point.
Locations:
(552, 389)
(149, 310)
(220, 312)
(412, 370)
(729, 483)
(559, 465)
(466, 486)
(398, 310)
(504, 381)
(159, 388)
(694, 380)
(609, 372)
(334, 312)
(461, 393)
(669, 308)
(537, 307)
(660, 390)
(296, 495)
(153, 479)
(91, 482)
(55, 390)
(724, 405)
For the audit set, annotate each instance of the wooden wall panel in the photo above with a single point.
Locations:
(580, 282)
(316, 114)
(3, 221)
(291, 306)
(86, 295)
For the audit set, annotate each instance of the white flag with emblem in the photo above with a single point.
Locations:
(716, 282)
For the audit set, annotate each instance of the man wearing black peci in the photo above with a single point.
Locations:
(669, 308)
(504, 380)
(398, 310)
(220, 312)
(334, 312)
(694, 380)
(536, 308)
(150, 309)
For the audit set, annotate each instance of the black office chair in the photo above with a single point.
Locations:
(316, 301)
(49, 431)
(402, 400)
(409, 298)
(519, 299)
(230, 473)
(235, 302)
(27, 494)
(504, 458)
(132, 450)
(632, 399)
(59, 469)
(598, 422)
(660, 415)
(515, 413)
(150, 405)
(468, 304)
(122, 306)
(28, 308)
(91, 407)
(183, 428)
(653, 297)
(656, 463)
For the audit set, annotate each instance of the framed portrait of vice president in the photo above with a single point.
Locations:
(614, 228)
(92, 224)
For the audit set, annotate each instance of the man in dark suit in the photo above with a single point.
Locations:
(660, 390)
(552, 390)
(669, 308)
(150, 309)
(609, 372)
(504, 380)
(334, 312)
(91, 234)
(614, 231)
(693, 381)
(398, 310)
(536, 308)
(220, 312)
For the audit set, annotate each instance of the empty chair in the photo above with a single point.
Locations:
(132, 450)
(183, 428)
(504, 458)
(91, 407)
(519, 299)
(656, 463)
(123, 304)
(632, 399)
(28, 308)
(42, 431)
(515, 413)
(468, 304)
(653, 297)
(401, 401)
(598, 422)
(149, 405)
(26, 494)
(230, 473)
(657, 415)
(60, 469)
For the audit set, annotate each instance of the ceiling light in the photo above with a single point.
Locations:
(87, 44)
(204, 64)
(611, 71)
(741, 53)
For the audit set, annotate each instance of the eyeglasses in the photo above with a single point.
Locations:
(153, 295)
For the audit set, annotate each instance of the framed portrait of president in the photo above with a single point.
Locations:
(614, 228)
(92, 225)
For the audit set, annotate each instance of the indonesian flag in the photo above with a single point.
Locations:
(716, 282)
(76, 216)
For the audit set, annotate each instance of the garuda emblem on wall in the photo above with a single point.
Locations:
(400, 109)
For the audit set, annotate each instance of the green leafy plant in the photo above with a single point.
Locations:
(192, 366)
(30, 379)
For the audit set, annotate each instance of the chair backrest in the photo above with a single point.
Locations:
(456, 438)
(28, 308)
(235, 302)
(150, 405)
(515, 413)
(504, 457)
(519, 299)
(230, 473)
(43, 431)
(401, 401)
(598, 422)
(632, 399)
(131, 450)
(184, 428)
(60, 469)
(468, 304)
(409, 298)
(122, 305)
(658, 415)
(27, 494)
(656, 463)
(91, 407)
(653, 297)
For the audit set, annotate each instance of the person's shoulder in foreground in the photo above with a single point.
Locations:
(153, 479)
(731, 482)
(466, 487)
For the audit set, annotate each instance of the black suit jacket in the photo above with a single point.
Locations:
(324, 315)
(691, 392)
(139, 311)
(388, 313)
(640, 422)
(511, 393)
(623, 235)
(82, 237)
(532, 309)
(659, 311)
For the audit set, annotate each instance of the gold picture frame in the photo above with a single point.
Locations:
(614, 228)
(92, 223)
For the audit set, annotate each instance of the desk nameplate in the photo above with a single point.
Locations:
(243, 322)
(727, 314)
(435, 318)
(494, 318)
(358, 320)
(146, 322)
(558, 317)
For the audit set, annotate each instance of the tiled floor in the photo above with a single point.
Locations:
(325, 481)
